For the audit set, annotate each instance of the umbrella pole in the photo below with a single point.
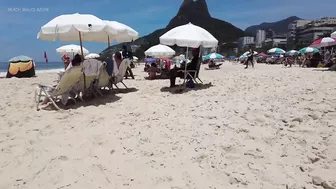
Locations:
(108, 41)
(81, 44)
(185, 69)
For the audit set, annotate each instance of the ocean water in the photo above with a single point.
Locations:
(40, 67)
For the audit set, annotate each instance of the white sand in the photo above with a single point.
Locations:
(266, 128)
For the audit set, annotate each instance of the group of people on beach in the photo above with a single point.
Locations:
(116, 57)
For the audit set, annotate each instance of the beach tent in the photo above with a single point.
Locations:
(21, 66)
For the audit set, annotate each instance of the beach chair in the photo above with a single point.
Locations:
(194, 75)
(70, 78)
(90, 74)
(122, 71)
(103, 80)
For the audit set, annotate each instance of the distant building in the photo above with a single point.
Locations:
(260, 38)
(269, 33)
(308, 35)
(306, 31)
(134, 47)
(277, 41)
(235, 50)
(292, 31)
(244, 41)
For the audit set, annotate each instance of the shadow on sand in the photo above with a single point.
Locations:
(108, 97)
(181, 89)
(324, 70)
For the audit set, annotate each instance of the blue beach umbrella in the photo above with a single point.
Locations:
(20, 58)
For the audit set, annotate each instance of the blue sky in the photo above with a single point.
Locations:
(19, 28)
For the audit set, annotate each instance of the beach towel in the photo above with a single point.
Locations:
(92, 67)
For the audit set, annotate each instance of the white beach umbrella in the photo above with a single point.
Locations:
(160, 51)
(75, 27)
(71, 49)
(92, 55)
(189, 35)
(333, 35)
(123, 33)
(248, 52)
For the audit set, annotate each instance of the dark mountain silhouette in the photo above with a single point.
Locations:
(196, 12)
(279, 27)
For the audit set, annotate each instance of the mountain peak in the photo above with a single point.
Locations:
(194, 8)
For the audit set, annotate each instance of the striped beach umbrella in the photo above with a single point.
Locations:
(243, 57)
(276, 51)
(309, 50)
(213, 56)
(292, 52)
(323, 42)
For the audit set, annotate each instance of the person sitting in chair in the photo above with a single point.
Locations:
(152, 70)
(191, 66)
(77, 60)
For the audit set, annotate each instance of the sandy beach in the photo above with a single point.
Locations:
(262, 128)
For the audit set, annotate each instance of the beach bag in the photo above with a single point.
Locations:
(190, 84)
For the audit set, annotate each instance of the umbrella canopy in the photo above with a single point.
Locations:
(323, 42)
(309, 50)
(292, 52)
(92, 55)
(20, 58)
(248, 52)
(262, 54)
(189, 35)
(121, 33)
(71, 49)
(125, 33)
(135, 58)
(242, 57)
(75, 27)
(160, 51)
(213, 56)
(276, 50)
(333, 35)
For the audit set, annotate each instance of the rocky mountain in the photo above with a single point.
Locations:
(196, 12)
(279, 27)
